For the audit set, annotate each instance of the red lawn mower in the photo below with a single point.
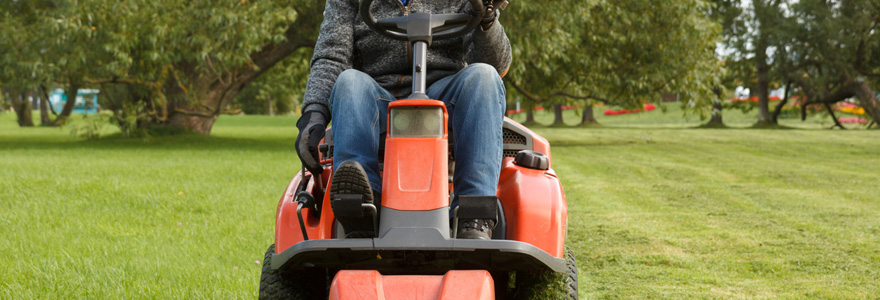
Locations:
(414, 253)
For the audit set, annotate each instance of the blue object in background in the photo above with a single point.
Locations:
(86, 101)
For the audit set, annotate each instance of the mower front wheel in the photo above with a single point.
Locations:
(286, 283)
(548, 285)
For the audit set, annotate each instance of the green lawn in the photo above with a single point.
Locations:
(653, 213)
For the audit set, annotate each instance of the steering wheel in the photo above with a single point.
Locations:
(422, 26)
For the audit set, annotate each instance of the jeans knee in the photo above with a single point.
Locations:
(350, 85)
(483, 74)
(351, 79)
(483, 81)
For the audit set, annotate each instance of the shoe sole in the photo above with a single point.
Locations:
(350, 178)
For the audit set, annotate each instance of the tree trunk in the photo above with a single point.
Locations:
(44, 111)
(22, 108)
(587, 118)
(530, 116)
(270, 108)
(765, 18)
(45, 92)
(557, 115)
(716, 120)
(763, 90)
(778, 109)
(868, 100)
(71, 91)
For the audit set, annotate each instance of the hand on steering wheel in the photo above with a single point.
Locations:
(490, 12)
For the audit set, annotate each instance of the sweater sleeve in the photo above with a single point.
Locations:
(489, 46)
(333, 54)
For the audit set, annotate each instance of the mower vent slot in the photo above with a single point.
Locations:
(515, 138)
(511, 137)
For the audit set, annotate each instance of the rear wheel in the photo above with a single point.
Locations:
(287, 283)
(548, 284)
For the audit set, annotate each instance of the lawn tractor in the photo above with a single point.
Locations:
(415, 254)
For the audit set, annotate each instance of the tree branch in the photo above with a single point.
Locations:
(46, 95)
(525, 93)
(833, 116)
(193, 113)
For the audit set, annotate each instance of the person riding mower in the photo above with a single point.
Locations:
(444, 199)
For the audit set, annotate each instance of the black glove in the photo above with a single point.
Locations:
(311, 130)
(489, 13)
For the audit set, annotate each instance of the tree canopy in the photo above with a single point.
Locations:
(170, 62)
(826, 50)
(616, 52)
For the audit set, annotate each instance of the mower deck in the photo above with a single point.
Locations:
(405, 250)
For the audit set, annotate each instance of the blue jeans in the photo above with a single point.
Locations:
(475, 101)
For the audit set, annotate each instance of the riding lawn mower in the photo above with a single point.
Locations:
(415, 254)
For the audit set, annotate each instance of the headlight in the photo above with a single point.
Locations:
(417, 122)
(401, 121)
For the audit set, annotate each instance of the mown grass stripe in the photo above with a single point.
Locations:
(653, 212)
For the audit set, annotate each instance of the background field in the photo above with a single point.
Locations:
(653, 212)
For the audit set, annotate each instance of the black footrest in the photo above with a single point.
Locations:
(347, 205)
(478, 207)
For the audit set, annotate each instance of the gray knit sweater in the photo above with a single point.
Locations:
(345, 42)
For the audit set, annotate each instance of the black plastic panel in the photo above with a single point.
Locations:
(418, 250)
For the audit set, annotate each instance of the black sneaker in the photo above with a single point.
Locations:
(477, 229)
(351, 182)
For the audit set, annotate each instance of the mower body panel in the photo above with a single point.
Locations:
(318, 225)
(535, 208)
(371, 285)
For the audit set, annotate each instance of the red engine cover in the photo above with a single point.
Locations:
(371, 285)
(534, 207)
(416, 168)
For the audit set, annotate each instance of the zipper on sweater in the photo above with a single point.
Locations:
(409, 55)
(409, 50)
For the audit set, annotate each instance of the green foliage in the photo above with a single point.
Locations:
(728, 14)
(827, 49)
(5, 104)
(137, 40)
(622, 52)
(90, 126)
(171, 55)
(283, 86)
(827, 41)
